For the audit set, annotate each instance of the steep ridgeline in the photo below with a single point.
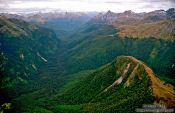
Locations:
(150, 38)
(24, 47)
(120, 86)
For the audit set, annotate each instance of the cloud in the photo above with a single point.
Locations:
(159, 4)
(173, 1)
(144, 5)
(87, 5)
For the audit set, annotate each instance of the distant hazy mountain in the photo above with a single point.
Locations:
(129, 16)
(63, 23)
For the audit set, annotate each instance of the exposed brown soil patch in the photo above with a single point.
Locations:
(162, 30)
(164, 93)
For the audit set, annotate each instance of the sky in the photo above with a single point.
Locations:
(27, 6)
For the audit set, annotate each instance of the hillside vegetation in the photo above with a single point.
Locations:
(99, 44)
(24, 47)
(123, 85)
(86, 66)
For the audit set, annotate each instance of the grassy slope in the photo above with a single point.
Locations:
(161, 30)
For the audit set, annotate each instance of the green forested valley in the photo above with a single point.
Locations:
(86, 62)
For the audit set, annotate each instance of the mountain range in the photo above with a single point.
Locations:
(87, 62)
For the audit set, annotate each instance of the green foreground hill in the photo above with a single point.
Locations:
(120, 86)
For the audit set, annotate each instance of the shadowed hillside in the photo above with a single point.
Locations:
(24, 47)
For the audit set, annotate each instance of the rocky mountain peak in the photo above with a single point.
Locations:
(109, 12)
(128, 12)
(170, 13)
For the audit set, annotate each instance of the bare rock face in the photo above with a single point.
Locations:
(171, 13)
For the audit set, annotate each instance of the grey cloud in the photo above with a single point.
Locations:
(140, 1)
(138, 4)
(148, 6)
(173, 1)
(8, 1)
(158, 4)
